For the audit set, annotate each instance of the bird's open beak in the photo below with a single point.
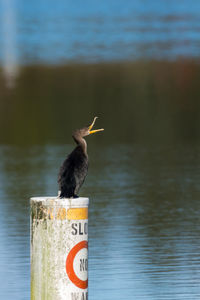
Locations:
(93, 131)
(91, 126)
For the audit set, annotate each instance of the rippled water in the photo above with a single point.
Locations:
(144, 200)
(58, 31)
(143, 225)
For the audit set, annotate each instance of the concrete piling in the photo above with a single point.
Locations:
(59, 248)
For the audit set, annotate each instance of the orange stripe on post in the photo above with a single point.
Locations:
(77, 213)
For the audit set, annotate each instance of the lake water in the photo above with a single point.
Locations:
(62, 63)
(143, 225)
(62, 31)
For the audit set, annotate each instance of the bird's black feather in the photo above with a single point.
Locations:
(75, 167)
(72, 173)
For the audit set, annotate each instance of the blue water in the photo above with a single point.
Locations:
(92, 31)
(143, 222)
(144, 211)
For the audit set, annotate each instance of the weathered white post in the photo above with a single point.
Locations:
(59, 248)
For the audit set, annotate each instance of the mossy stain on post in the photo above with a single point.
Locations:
(51, 242)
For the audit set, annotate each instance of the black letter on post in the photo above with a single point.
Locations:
(74, 225)
(80, 232)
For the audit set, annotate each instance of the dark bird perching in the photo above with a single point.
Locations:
(75, 167)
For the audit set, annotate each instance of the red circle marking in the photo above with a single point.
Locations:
(82, 284)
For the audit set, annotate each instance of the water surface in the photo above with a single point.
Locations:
(66, 62)
(144, 218)
(63, 31)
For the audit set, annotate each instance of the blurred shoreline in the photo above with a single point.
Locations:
(138, 101)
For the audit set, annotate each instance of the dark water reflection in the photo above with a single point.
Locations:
(144, 218)
(139, 102)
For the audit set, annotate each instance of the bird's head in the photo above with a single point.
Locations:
(88, 130)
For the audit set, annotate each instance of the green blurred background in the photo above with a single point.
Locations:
(135, 65)
(144, 101)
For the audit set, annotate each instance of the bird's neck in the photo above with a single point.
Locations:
(81, 142)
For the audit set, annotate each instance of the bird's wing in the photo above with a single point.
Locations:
(66, 178)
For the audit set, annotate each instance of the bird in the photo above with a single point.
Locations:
(74, 169)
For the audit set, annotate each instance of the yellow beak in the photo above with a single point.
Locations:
(93, 131)
(91, 126)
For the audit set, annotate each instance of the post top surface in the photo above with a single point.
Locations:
(56, 201)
